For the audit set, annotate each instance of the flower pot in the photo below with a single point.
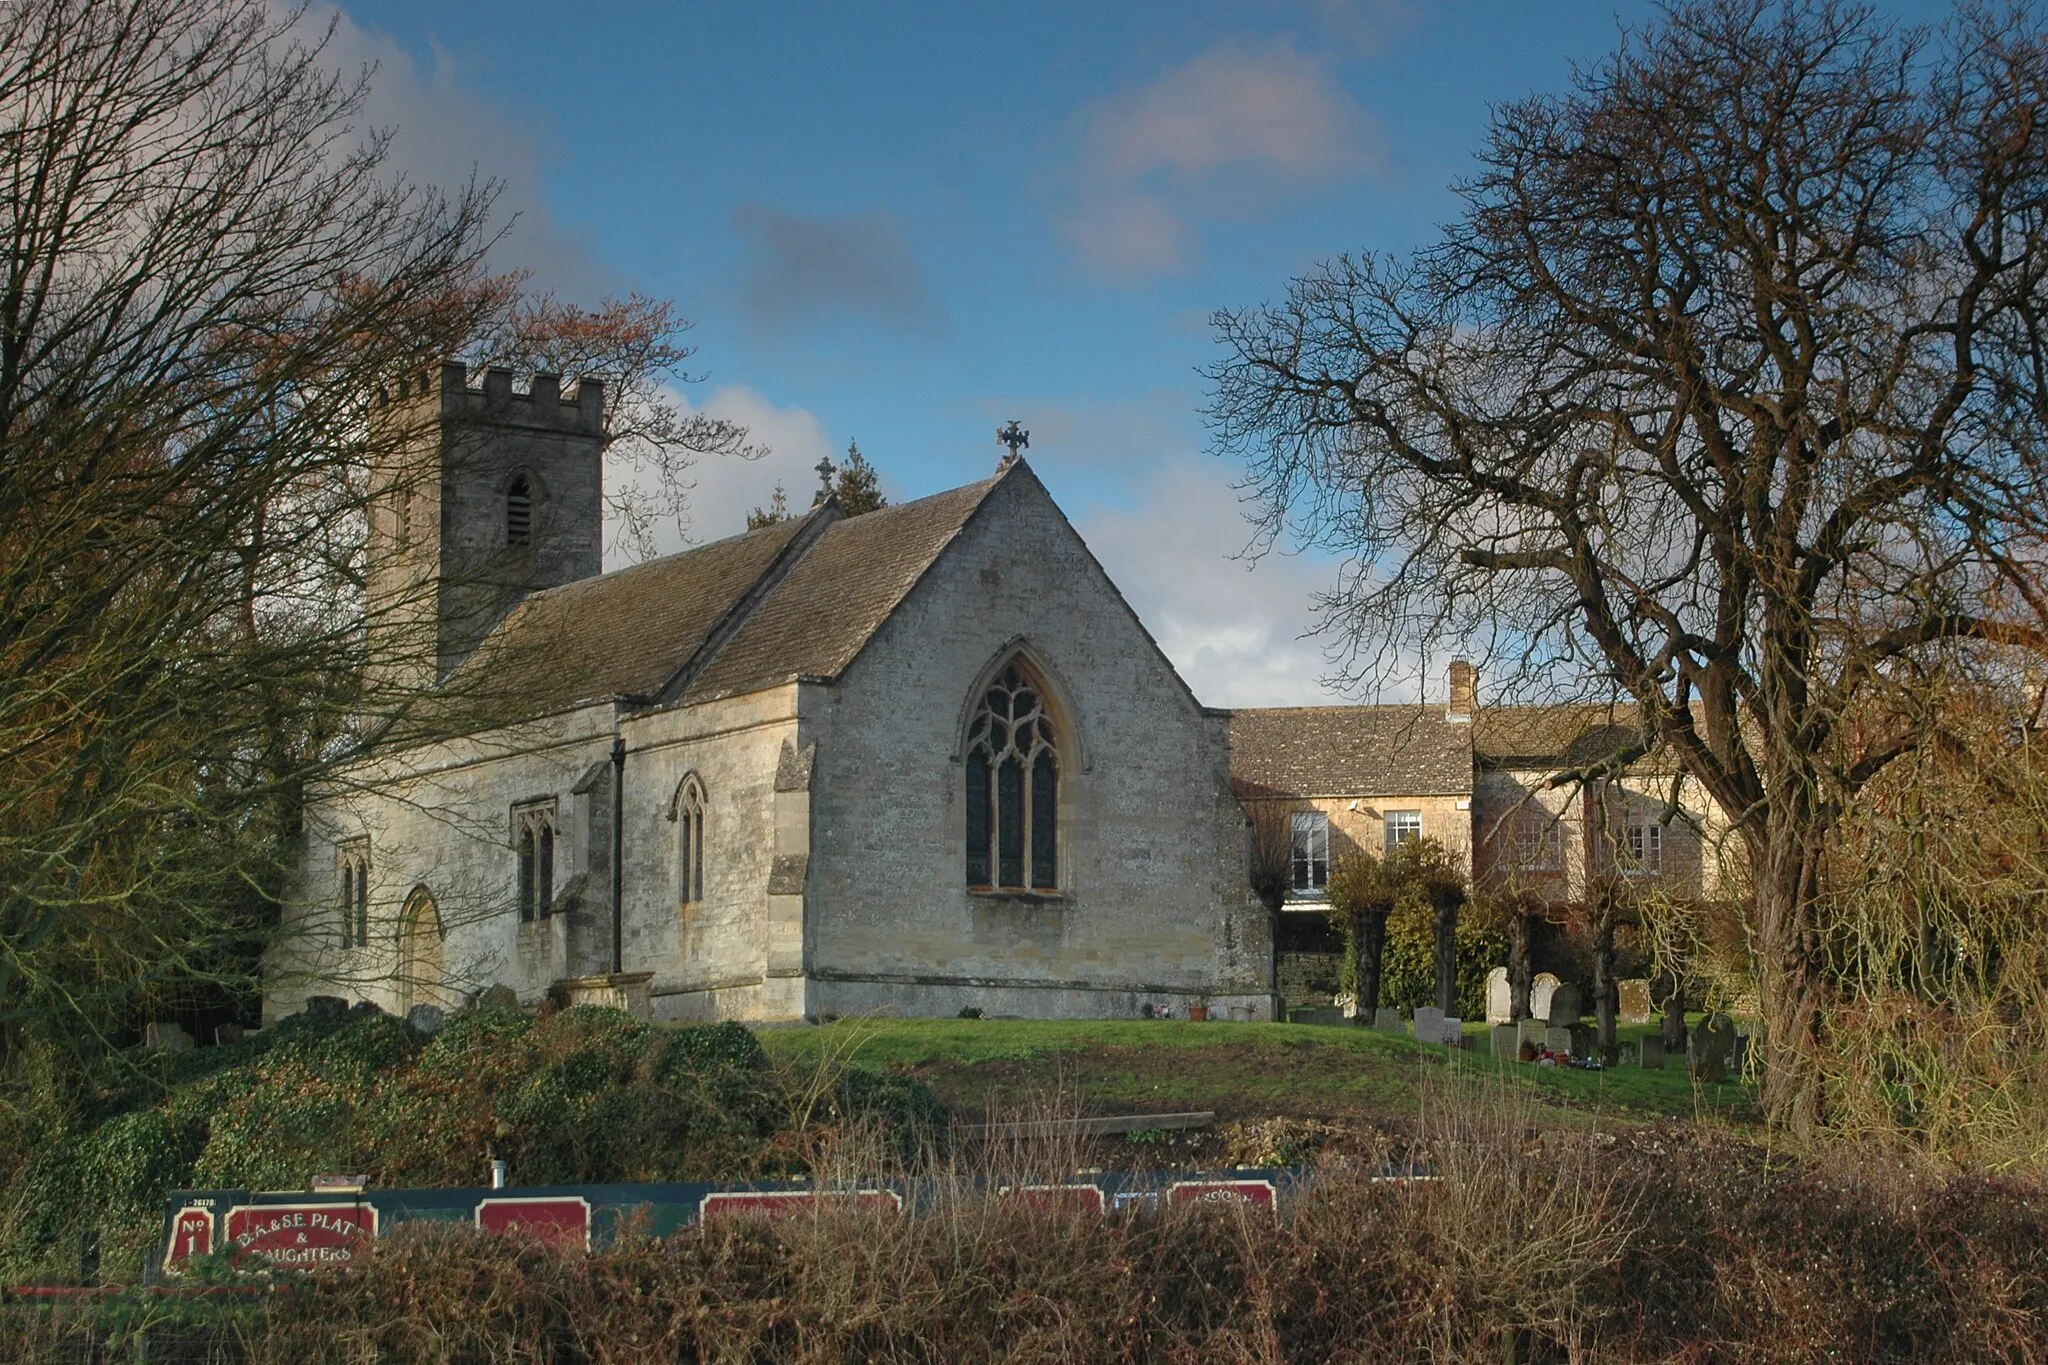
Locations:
(1198, 1013)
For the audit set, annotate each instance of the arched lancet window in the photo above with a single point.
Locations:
(534, 838)
(690, 840)
(518, 510)
(1013, 787)
(354, 857)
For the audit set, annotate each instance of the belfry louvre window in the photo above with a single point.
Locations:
(354, 859)
(690, 835)
(518, 511)
(1013, 787)
(534, 839)
(1311, 852)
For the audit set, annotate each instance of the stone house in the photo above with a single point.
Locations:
(916, 761)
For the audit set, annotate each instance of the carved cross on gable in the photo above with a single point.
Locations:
(1013, 436)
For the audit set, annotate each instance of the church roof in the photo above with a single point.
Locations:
(1349, 751)
(838, 594)
(623, 633)
(788, 601)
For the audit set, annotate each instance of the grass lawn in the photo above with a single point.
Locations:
(1238, 1070)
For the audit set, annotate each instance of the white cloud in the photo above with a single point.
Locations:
(1234, 628)
(725, 489)
(445, 134)
(1226, 127)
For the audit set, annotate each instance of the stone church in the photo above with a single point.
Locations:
(914, 762)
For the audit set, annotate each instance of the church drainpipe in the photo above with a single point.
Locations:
(618, 855)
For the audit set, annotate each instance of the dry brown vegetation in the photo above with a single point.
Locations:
(1530, 1245)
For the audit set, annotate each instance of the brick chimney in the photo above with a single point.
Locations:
(1464, 692)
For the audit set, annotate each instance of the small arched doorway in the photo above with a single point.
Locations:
(420, 972)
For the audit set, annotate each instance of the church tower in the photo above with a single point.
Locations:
(485, 496)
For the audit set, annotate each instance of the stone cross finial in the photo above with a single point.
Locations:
(1013, 436)
(826, 469)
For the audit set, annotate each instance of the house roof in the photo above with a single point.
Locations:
(838, 594)
(1555, 736)
(1349, 751)
(622, 633)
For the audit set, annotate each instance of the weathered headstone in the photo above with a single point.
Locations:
(1429, 1024)
(1565, 1007)
(498, 997)
(229, 1034)
(1388, 1020)
(167, 1037)
(1540, 991)
(1634, 1007)
(424, 1020)
(1451, 1032)
(1650, 1053)
(1585, 1040)
(1529, 1031)
(1507, 1041)
(1558, 1040)
(328, 1009)
(1500, 997)
(364, 1009)
(1347, 1004)
(1713, 1048)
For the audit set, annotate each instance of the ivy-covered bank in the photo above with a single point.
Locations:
(569, 1096)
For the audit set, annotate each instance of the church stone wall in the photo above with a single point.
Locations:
(710, 957)
(1153, 905)
(439, 819)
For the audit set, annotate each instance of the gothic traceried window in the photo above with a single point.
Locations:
(690, 839)
(533, 837)
(1013, 787)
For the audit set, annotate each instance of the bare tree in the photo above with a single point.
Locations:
(1727, 389)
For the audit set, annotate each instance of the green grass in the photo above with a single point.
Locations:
(1239, 1070)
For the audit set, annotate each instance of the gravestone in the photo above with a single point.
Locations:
(328, 1009)
(228, 1035)
(1429, 1024)
(1500, 997)
(499, 997)
(1585, 1040)
(1738, 1059)
(1529, 1031)
(1540, 991)
(1388, 1021)
(1650, 1054)
(1635, 1001)
(1713, 1048)
(167, 1038)
(1347, 1004)
(424, 1020)
(1565, 1008)
(1558, 1040)
(1507, 1041)
(1451, 1032)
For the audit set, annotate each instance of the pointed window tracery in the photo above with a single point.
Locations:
(1012, 804)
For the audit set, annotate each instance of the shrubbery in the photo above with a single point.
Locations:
(579, 1095)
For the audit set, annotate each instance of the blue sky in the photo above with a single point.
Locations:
(904, 224)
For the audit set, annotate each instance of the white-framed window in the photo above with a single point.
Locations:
(1402, 827)
(1646, 849)
(533, 837)
(1536, 842)
(1311, 852)
(352, 861)
(690, 839)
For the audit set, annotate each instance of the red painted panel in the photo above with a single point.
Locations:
(559, 1220)
(301, 1236)
(1247, 1193)
(191, 1235)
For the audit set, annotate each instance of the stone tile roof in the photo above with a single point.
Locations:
(622, 633)
(1349, 751)
(1555, 736)
(835, 597)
